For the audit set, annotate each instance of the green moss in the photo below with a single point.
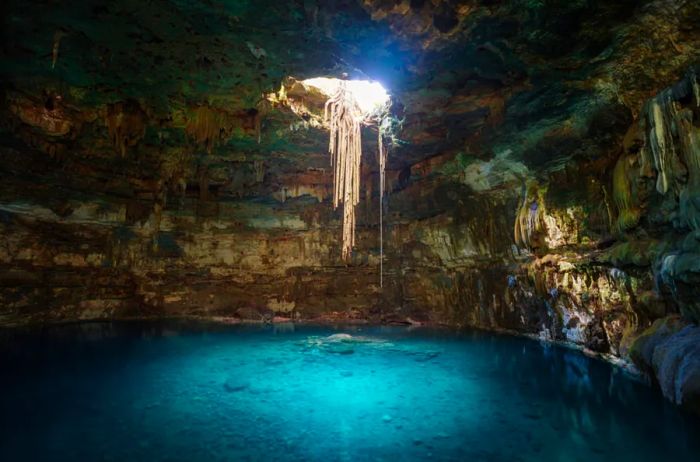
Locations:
(456, 167)
(638, 253)
(628, 211)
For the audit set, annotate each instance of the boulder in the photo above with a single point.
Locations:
(669, 351)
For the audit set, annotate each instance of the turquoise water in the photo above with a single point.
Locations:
(174, 392)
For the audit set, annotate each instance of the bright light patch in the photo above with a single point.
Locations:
(369, 95)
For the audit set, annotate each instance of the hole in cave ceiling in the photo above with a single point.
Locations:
(369, 95)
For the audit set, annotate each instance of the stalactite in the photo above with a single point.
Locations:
(659, 112)
(690, 195)
(688, 131)
(673, 139)
(529, 217)
(668, 135)
(259, 167)
(345, 146)
(262, 108)
(126, 123)
(156, 222)
(208, 126)
(57, 36)
(608, 208)
(258, 125)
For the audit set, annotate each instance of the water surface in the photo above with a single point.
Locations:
(196, 392)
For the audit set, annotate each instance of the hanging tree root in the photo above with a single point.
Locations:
(382, 172)
(344, 117)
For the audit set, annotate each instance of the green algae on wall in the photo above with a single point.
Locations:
(628, 211)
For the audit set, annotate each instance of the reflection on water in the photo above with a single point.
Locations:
(168, 391)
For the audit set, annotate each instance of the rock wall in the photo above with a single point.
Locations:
(599, 253)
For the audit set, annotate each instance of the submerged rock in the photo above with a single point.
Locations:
(233, 385)
(341, 338)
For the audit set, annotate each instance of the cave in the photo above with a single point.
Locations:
(349, 230)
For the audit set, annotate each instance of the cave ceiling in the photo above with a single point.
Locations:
(512, 85)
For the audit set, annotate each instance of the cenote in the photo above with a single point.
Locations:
(300, 230)
(173, 391)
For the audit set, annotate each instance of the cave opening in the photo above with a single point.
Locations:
(370, 95)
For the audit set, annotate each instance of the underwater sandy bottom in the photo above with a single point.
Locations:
(174, 392)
